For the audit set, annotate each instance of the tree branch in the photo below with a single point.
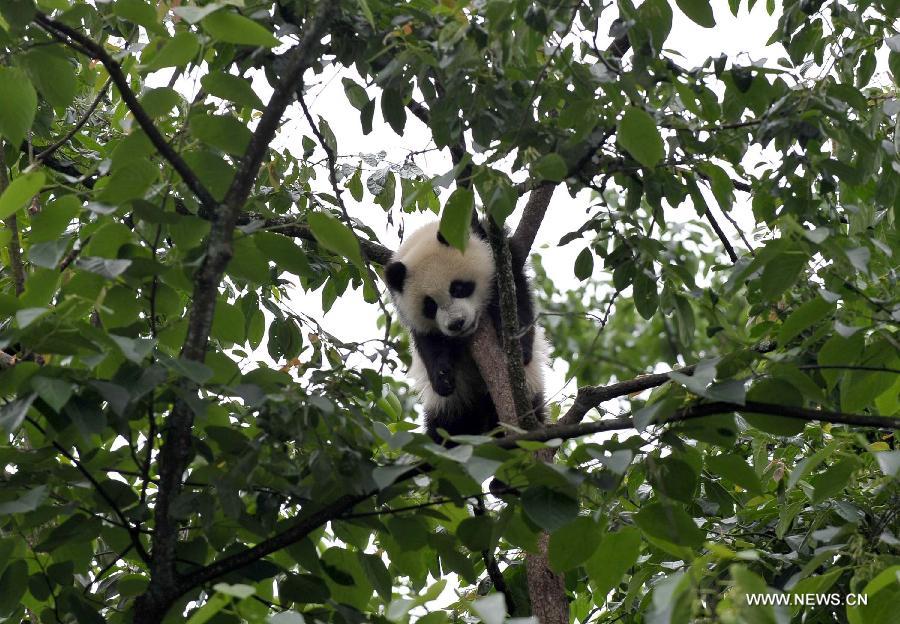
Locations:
(176, 449)
(729, 249)
(532, 216)
(565, 431)
(589, 397)
(509, 328)
(84, 44)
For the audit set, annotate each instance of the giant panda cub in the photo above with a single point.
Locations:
(441, 294)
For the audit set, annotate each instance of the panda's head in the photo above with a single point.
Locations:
(438, 288)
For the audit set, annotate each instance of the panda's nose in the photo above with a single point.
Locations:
(456, 325)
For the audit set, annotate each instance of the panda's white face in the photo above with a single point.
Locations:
(436, 287)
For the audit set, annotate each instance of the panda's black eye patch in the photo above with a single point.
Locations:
(429, 308)
(460, 289)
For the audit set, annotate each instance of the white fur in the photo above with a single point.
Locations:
(431, 267)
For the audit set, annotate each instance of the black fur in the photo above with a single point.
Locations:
(395, 276)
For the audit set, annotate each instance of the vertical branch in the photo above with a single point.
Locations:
(509, 321)
(176, 450)
(547, 590)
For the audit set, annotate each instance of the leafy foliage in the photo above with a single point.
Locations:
(181, 443)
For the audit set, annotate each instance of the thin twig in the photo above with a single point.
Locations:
(78, 126)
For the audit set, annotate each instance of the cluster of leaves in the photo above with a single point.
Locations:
(308, 489)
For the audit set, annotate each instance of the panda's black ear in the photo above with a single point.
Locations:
(395, 275)
(442, 240)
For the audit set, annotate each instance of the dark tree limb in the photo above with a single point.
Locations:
(729, 249)
(492, 568)
(176, 449)
(532, 216)
(589, 397)
(77, 40)
(566, 431)
(509, 329)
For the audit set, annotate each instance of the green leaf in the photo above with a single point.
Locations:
(335, 236)
(13, 584)
(882, 593)
(29, 501)
(356, 95)
(584, 264)
(129, 181)
(669, 523)
(110, 269)
(54, 392)
(616, 554)
(646, 297)
(48, 254)
(20, 191)
(284, 252)
(456, 217)
(889, 462)
(638, 134)
(393, 109)
(354, 185)
(232, 88)
(839, 351)
(551, 167)
(175, 52)
(18, 105)
(699, 11)
(54, 218)
(574, 543)
(548, 508)
(228, 323)
(52, 73)
(378, 574)
(134, 349)
(831, 482)
(233, 28)
(13, 413)
(303, 589)
(807, 315)
(475, 533)
(160, 101)
(673, 478)
(736, 470)
(780, 274)
(139, 12)
(781, 392)
(212, 606)
(193, 14)
(221, 131)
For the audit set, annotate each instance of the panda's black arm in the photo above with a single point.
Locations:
(440, 355)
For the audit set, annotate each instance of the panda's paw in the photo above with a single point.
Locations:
(443, 382)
